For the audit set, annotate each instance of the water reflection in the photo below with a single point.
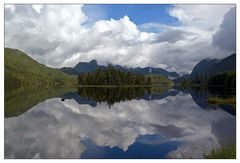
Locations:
(19, 100)
(155, 125)
(111, 95)
(200, 97)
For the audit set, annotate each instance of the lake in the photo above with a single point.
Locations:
(115, 122)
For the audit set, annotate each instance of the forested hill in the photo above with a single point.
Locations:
(20, 69)
(114, 77)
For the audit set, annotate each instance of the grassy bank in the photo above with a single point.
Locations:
(223, 153)
(220, 100)
(126, 86)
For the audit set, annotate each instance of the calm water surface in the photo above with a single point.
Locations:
(114, 123)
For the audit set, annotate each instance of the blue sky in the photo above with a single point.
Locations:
(139, 14)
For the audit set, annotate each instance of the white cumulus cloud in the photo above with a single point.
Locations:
(60, 35)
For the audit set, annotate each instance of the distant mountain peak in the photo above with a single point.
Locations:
(213, 66)
(92, 65)
(93, 61)
(150, 70)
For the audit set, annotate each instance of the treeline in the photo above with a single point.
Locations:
(201, 79)
(112, 76)
(224, 79)
(111, 95)
(227, 80)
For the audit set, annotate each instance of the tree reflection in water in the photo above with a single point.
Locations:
(112, 95)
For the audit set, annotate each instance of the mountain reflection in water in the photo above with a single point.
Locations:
(145, 124)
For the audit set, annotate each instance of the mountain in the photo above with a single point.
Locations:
(159, 71)
(69, 70)
(82, 67)
(184, 79)
(214, 66)
(87, 66)
(20, 69)
(91, 66)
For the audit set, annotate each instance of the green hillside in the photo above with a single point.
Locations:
(158, 79)
(20, 69)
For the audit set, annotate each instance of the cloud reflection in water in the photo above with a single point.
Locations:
(56, 129)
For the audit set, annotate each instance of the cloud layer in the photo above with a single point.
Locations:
(61, 36)
(225, 37)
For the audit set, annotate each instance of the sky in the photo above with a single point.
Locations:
(173, 37)
(139, 14)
